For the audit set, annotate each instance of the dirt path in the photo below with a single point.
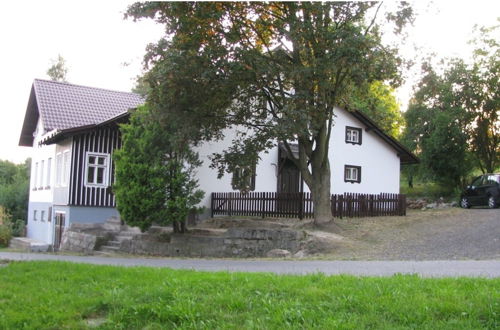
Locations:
(444, 234)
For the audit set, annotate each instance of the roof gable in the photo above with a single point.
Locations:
(63, 106)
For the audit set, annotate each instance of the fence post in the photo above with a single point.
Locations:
(301, 206)
(212, 204)
(341, 206)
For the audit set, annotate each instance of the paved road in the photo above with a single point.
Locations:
(445, 268)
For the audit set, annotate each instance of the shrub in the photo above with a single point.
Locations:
(5, 227)
(18, 228)
(5, 235)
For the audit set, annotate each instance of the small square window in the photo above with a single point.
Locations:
(352, 174)
(97, 169)
(244, 178)
(353, 135)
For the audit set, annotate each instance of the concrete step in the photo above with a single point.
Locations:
(124, 236)
(110, 249)
(113, 243)
(28, 244)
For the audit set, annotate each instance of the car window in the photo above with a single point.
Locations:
(477, 182)
(493, 179)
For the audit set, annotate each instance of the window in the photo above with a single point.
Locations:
(42, 216)
(42, 165)
(244, 178)
(65, 170)
(352, 174)
(96, 173)
(353, 135)
(49, 169)
(34, 215)
(35, 177)
(58, 169)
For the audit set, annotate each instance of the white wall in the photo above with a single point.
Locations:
(379, 162)
(41, 193)
(265, 179)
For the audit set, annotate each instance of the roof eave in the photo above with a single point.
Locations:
(31, 117)
(65, 133)
(406, 156)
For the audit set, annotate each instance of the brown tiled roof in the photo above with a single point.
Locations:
(63, 106)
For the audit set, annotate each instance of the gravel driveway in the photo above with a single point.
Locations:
(446, 234)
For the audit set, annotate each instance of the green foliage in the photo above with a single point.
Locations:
(14, 188)
(5, 227)
(58, 69)
(452, 121)
(151, 298)
(235, 64)
(379, 104)
(154, 183)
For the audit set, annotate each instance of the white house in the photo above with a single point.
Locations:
(74, 130)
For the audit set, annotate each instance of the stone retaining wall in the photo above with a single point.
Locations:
(235, 242)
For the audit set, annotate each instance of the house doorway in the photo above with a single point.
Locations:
(289, 177)
(59, 226)
(290, 184)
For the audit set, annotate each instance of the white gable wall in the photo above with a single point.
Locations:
(379, 162)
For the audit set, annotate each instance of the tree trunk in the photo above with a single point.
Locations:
(321, 194)
(175, 227)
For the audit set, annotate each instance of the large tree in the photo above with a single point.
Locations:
(274, 70)
(453, 117)
(481, 94)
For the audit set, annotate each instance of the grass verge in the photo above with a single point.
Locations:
(54, 295)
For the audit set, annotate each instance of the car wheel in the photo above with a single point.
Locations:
(491, 202)
(464, 203)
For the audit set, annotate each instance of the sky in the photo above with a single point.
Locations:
(102, 49)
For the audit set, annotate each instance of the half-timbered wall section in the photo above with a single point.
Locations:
(92, 152)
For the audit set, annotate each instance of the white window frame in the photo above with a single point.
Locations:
(105, 166)
(352, 173)
(66, 159)
(41, 178)
(59, 169)
(349, 136)
(35, 178)
(49, 170)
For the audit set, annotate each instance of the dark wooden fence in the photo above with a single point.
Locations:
(300, 205)
(263, 204)
(364, 205)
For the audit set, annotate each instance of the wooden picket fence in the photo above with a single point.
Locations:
(300, 205)
(263, 204)
(352, 205)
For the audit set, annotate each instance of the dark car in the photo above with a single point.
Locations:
(484, 190)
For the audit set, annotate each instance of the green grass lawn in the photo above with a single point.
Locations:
(54, 295)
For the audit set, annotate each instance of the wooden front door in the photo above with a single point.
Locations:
(289, 178)
(59, 229)
(289, 188)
